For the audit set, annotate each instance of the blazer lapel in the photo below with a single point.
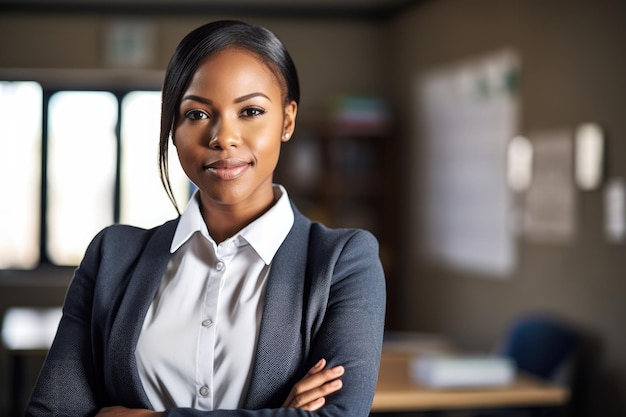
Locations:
(280, 348)
(145, 280)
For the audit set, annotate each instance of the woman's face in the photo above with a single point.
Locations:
(230, 125)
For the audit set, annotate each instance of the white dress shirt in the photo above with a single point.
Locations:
(197, 344)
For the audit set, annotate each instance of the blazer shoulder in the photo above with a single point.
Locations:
(120, 241)
(130, 235)
(324, 236)
(326, 242)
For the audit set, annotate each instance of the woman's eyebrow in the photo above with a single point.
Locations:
(197, 98)
(249, 96)
(237, 100)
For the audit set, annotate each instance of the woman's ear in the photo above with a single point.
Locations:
(289, 124)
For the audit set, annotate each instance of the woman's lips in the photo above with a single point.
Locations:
(227, 169)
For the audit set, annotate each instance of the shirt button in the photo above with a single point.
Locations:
(204, 391)
(220, 266)
(207, 323)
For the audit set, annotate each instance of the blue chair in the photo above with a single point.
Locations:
(546, 347)
(542, 346)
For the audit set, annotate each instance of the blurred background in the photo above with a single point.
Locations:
(481, 141)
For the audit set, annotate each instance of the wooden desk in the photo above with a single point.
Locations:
(396, 391)
(27, 333)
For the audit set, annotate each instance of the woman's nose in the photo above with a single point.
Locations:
(223, 135)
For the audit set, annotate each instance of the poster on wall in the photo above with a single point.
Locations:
(467, 114)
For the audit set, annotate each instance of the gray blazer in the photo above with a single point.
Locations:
(325, 298)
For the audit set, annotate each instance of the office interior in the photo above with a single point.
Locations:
(571, 64)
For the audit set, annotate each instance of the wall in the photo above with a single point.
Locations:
(68, 41)
(573, 64)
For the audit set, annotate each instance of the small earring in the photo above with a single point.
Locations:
(287, 135)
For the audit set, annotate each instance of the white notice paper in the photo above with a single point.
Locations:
(615, 210)
(550, 200)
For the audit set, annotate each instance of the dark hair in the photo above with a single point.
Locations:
(204, 42)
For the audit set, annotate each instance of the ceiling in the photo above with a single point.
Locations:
(359, 9)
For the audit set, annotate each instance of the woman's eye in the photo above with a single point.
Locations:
(196, 115)
(252, 112)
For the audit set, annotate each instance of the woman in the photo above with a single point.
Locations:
(241, 306)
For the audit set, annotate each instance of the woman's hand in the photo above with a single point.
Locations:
(118, 411)
(310, 392)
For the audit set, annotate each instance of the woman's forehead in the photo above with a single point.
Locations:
(233, 61)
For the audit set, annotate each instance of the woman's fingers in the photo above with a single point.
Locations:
(317, 367)
(310, 392)
(318, 379)
(315, 398)
(314, 405)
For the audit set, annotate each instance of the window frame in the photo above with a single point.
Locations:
(53, 82)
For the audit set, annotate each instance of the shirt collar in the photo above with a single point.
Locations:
(265, 234)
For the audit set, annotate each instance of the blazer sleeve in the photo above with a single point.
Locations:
(351, 331)
(67, 381)
(348, 282)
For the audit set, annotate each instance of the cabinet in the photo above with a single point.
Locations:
(338, 170)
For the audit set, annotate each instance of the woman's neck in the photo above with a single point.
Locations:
(224, 221)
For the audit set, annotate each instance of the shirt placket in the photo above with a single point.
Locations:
(206, 342)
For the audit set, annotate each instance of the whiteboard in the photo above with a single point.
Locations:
(467, 114)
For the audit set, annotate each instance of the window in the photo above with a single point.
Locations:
(20, 173)
(143, 201)
(99, 153)
(82, 153)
